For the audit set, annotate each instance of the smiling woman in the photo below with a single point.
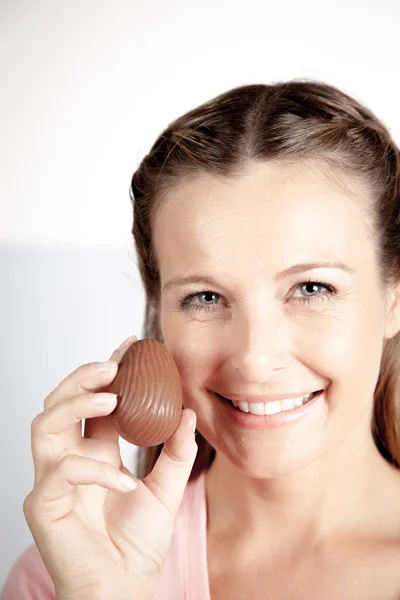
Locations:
(267, 230)
(267, 227)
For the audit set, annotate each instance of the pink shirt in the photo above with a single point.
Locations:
(184, 575)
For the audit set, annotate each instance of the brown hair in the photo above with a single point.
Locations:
(289, 121)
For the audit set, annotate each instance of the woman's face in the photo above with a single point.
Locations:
(284, 300)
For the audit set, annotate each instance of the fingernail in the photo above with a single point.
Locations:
(192, 422)
(127, 482)
(102, 399)
(104, 367)
(127, 342)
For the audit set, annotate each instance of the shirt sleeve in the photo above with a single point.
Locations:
(28, 578)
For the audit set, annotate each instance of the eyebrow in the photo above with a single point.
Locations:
(293, 270)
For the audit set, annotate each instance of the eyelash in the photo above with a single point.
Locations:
(185, 303)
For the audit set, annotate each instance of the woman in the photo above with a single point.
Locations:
(267, 227)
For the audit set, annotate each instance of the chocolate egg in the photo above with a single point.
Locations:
(149, 389)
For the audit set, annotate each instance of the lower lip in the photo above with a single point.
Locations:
(249, 421)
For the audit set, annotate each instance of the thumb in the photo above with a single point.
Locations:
(170, 474)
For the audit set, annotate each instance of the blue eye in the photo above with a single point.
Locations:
(310, 286)
(208, 296)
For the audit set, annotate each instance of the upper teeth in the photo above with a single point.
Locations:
(271, 408)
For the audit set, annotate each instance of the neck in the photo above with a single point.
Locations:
(332, 496)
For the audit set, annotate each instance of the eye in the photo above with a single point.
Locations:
(207, 301)
(312, 292)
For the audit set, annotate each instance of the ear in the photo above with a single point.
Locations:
(393, 306)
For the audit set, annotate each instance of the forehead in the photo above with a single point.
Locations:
(270, 211)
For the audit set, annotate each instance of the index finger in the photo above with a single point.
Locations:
(103, 427)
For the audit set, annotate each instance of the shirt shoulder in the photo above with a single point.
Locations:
(184, 574)
(29, 578)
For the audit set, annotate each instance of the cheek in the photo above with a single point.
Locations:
(325, 345)
(194, 352)
(342, 342)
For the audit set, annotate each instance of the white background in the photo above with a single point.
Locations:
(85, 89)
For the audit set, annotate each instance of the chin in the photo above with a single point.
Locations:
(263, 465)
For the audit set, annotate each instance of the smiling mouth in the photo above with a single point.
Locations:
(270, 408)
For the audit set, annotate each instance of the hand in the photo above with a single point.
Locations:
(97, 539)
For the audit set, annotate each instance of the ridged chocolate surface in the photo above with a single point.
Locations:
(149, 389)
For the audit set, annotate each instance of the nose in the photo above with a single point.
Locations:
(260, 346)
